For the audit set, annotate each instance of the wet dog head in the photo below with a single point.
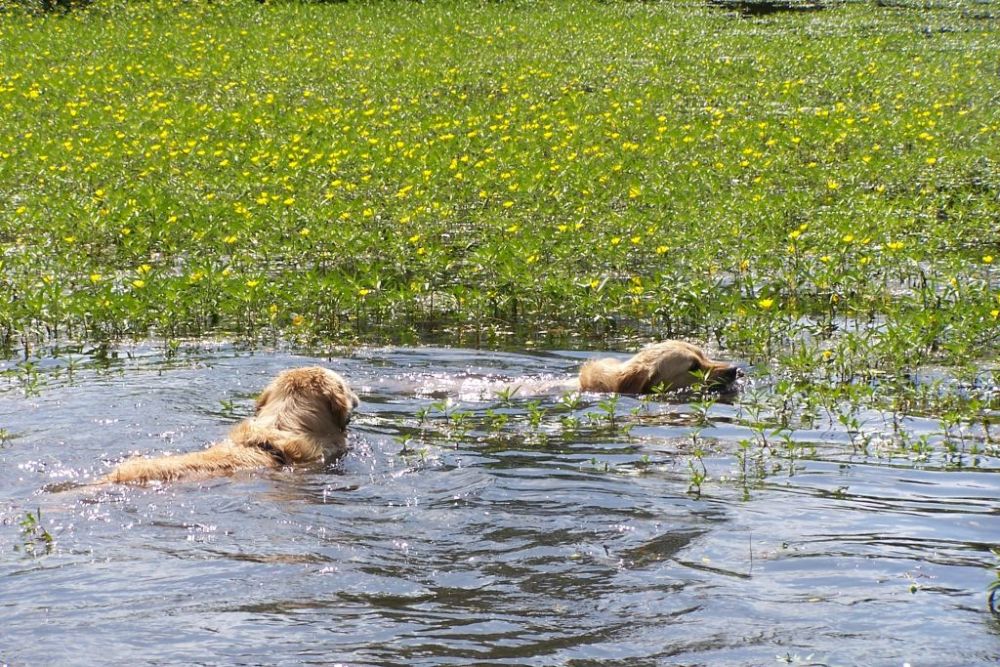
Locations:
(317, 398)
(671, 364)
(301, 417)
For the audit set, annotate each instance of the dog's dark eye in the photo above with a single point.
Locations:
(695, 367)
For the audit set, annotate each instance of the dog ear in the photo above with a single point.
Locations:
(262, 400)
(633, 380)
(342, 402)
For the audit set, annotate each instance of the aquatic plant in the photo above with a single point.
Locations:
(35, 538)
(993, 589)
(278, 170)
(698, 471)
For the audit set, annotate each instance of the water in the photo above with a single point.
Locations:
(480, 542)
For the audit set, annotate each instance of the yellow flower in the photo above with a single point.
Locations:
(139, 283)
(987, 259)
(95, 278)
(297, 320)
(662, 250)
(995, 313)
(364, 292)
(847, 238)
(895, 245)
(765, 303)
(252, 283)
(231, 239)
(832, 185)
(304, 232)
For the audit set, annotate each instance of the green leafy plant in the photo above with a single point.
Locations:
(35, 538)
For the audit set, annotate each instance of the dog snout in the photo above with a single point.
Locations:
(729, 375)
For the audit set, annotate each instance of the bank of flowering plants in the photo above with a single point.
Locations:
(503, 171)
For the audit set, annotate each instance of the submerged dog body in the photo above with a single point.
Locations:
(670, 364)
(301, 417)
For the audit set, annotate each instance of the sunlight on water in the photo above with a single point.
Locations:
(471, 523)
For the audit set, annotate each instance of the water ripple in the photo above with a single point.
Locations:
(453, 540)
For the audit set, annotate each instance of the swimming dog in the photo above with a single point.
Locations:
(301, 417)
(670, 365)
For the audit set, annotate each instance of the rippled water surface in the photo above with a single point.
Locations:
(465, 533)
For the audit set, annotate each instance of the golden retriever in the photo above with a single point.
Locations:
(301, 417)
(672, 364)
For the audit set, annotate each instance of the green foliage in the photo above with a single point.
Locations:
(35, 539)
(44, 6)
(380, 170)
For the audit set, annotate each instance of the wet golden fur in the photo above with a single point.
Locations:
(301, 417)
(671, 364)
